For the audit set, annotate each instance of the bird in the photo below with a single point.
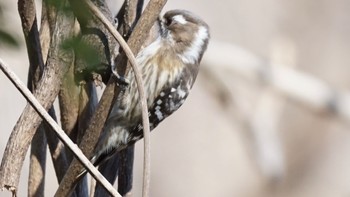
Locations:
(169, 67)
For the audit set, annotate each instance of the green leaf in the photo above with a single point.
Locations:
(86, 52)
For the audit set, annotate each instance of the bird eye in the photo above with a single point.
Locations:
(167, 21)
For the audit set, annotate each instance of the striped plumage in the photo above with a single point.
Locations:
(169, 67)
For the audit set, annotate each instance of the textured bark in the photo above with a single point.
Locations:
(56, 147)
(45, 30)
(95, 127)
(37, 167)
(94, 37)
(46, 93)
(69, 106)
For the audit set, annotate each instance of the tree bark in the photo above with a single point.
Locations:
(95, 127)
(37, 167)
(46, 93)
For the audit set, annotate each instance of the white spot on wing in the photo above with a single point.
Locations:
(191, 55)
(181, 92)
(159, 115)
(180, 19)
(159, 102)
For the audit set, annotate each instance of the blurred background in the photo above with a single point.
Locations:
(268, 116)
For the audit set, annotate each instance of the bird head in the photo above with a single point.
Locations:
(186, 34)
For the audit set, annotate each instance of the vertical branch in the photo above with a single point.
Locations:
(37, 167)
(87, 103)
(56, 147)
(96, 36)
(45, 30)
(46, 93)
(69, 106)
(129, 14)
(27, 14)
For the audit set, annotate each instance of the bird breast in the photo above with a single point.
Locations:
(159, 66)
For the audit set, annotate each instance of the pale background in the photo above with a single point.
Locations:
(208, 147)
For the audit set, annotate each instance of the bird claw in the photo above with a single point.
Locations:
(121, 81)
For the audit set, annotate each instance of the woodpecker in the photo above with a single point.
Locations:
(169, 67)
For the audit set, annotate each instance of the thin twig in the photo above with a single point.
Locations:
(61, 134)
